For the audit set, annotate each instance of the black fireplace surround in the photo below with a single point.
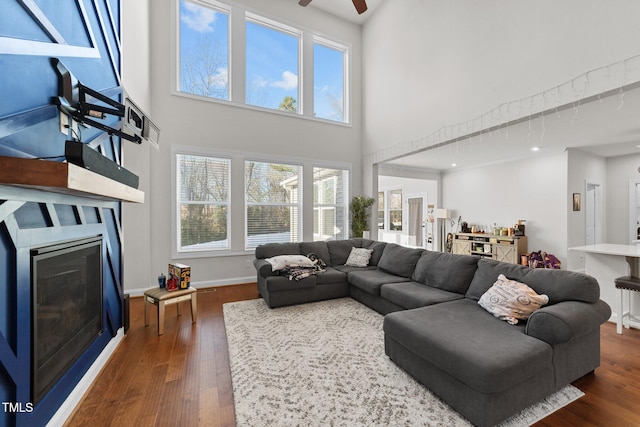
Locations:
(66, 307)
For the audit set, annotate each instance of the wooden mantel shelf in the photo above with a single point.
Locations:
(65, 178)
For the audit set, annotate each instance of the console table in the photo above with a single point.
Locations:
(501, 248)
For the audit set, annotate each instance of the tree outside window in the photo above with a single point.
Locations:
(273, 203)
(204, 50)
(203, 202)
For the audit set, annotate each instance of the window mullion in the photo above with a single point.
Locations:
(307, 78)
(238, 55)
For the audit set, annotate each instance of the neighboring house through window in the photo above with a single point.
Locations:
(330, 204)
(273, 204)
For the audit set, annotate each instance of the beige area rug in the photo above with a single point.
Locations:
(323, 364)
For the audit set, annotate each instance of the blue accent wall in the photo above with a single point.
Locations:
(85, 36)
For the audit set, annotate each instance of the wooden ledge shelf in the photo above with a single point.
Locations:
(65, 178)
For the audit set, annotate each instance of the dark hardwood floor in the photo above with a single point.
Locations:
(182, 378)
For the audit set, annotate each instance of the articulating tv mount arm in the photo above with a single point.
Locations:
(73, 102)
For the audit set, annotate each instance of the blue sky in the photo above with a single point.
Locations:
(272, 62)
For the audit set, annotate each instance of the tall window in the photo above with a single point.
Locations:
(204, 49)
(272, 65)
(203, 203)
(273, 203)
(329, 80)
(272, 73)
(381, 210)
(330, 195)
(395, 210)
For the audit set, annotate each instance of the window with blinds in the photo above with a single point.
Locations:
(381, 210)
(203, 196)
(273, 203)
(395, 210)
(330, 201)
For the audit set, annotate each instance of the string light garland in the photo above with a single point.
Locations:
(591, 85)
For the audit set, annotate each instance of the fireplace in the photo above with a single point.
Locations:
(66, 307)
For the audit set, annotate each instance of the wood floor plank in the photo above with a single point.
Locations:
(183, 377)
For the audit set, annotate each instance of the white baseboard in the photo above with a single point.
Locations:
(202, 284)
(69, 405)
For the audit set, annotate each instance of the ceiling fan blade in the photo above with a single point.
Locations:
(361, 6)
(304, 2)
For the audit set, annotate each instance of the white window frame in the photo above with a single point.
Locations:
(320, 207)
(237, 61)
(346, 76)
(299, 204)
(218, 7)
(176, 251)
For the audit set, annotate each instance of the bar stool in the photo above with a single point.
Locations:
(626, 283)
(160, 297)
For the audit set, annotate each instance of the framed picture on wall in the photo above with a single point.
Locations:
(576, 202)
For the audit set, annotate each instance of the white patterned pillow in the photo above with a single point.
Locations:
(359, 257)
(511, 300)
(281, 261)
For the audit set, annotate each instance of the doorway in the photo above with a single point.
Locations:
(593, 213)
(416, 221)
(634, 211)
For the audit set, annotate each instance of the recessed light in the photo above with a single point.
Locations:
(535, 148)
(453, 165)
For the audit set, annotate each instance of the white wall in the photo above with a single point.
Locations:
(432, 64)
(194, 123)
(620, 170)
(136, 69)
(582, 167)
(533, 190)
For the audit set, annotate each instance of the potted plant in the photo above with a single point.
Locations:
(360, 214)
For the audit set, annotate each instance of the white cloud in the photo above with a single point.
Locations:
(200, 19)
(220, 78)
(289, 81)
(259, 81)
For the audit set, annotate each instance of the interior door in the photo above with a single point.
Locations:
(416, 221)
(593, 213)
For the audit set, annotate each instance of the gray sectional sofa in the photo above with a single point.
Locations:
(483, 367)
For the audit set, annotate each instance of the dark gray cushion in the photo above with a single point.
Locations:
(350, 268)
(339, 250)
(558, 285)
(446, 271)
(399, 260)
(282, 283)
(410, 295)
(371, 280)
(561, 322)
(376, 247)
(464, 340)
(330, 276)
(318, 248)
(263, 267)
(269, 250)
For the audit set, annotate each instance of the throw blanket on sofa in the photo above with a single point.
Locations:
(298, 273)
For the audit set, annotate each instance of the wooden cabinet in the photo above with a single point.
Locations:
(501, 248)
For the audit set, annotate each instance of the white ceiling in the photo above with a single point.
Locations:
(607, 127)
(345, 9)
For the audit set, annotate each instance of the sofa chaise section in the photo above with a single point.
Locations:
(487, 369)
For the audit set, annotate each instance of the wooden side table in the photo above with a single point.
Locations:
(160, 297)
